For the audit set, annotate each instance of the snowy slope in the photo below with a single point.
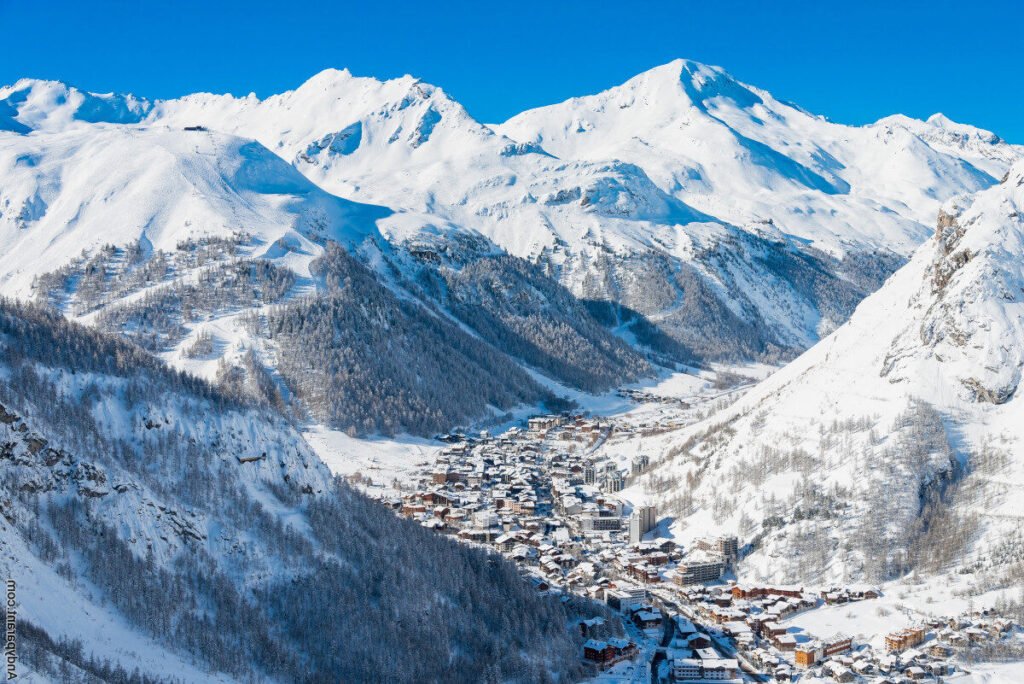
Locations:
(186, 240)
(632, 196)
(70, 192)
(407, 144)
(165, 526)
(600, 225)
(696, 216)
(32, 105)
(906, 417)
(735, 152)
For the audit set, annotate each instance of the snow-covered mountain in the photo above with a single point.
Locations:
(157, 525)
(207, 249)
(680, 189)
(31, 105)
(695, 217)
(72, 192)
(894, 442)
(735, 152)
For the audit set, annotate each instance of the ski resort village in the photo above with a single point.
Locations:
(312, 376)
(556, 497)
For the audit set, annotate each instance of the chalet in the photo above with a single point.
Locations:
(476, 534)
(507, 542)
(695, 642)
(976, 634)
(597, 651)
(623, 648)
(807, 655)
(437, 499)
(586, 626)
(740, 591)
(525, 554)
(863, 667)
(915, 673)
(841, 673)
(412, 510)
(904, 639)
(605, 653)
(724, 615)
(647, 619)
(723, 600)
(435, 524)
(656, 558)
(785, 642)
(837, 645)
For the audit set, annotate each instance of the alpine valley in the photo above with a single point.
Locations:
(653, 380)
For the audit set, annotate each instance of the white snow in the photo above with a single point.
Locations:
(947, 329)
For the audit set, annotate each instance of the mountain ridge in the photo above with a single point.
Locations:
(188, 532)
(676, 262)
(908, 410)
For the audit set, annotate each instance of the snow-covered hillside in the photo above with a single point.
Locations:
(72, 192)
(186, 240)
(895, 442)
(735, 152)
(32, 105)
(683, 214)
(152, 523)
(680, 189)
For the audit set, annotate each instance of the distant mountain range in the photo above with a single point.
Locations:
(683, 217)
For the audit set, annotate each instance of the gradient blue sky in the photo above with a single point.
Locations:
(854, 61)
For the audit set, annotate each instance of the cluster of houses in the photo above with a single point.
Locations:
(964, 631)
(692, 656)
(542, 498)
(746, 613)
(751, 616)
(867, 665)
(644, 397)
(924, 652)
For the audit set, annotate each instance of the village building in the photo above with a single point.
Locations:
(696, 572)
(904, 639)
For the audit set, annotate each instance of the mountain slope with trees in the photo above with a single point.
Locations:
(205, 533)
(892, 445)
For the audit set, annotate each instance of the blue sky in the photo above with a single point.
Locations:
(853, 62)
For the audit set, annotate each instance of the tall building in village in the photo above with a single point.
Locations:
(642, 521)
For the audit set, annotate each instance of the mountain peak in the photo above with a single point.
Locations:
(698, 82)
(941, 120)
(328, 78)
(34, 104)
(343, 79)
(681, 67)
